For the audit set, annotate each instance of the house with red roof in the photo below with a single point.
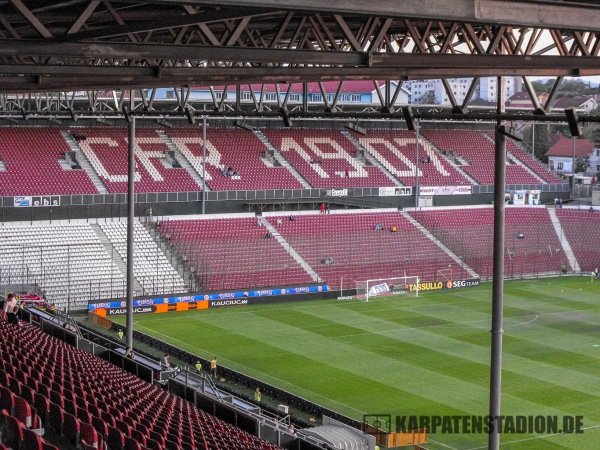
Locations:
(521, 100)
(584, 104)
(560, 155)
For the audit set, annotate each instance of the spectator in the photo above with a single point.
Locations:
(10, 304)
(292, 218)
(268, 235)
(347, 173)
(322, 208)
(164, 362)
(259, 223)
(591, 209)
(129, 353)
(378, 227)
(14, 317)
(393, 229)
(560, 202)
(279, 221)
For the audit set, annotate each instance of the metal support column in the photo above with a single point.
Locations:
(573, 167)
(417, 131)
(498, 281)
(203, 164)
(130, 222)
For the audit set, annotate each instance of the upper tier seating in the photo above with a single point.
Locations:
(239, 149)
(107, 148)
(68, 261)
(396, 151)
(326, 158)
(540, 169)
(82, 397)
(358, 252)
(469, 233)
(478, 151)
(31, 158)
(151, 268)
(233, 253)
(582, 230)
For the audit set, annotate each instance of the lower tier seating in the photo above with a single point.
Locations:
(89, 402)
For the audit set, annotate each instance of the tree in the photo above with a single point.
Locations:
(542, 140)
(582, 164)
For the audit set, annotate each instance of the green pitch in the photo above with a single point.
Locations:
(425, 356)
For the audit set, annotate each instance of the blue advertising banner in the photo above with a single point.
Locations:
(215, 297)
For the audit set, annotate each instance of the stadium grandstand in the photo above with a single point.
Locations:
(163, 160)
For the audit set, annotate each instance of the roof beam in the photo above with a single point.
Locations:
(520, 12)
(153, 25)
(35, 23)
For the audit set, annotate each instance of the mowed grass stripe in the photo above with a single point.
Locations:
(446, 365)
(388, 370)
(471, 365)
(474, 360)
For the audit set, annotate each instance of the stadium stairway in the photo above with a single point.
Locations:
(515, 160)
(116, 258)
(84, 162)
(440, 244)
(373, 161)
(293, 253)
(450, 161)
(562, 237)
(182, 160)
(281, 159)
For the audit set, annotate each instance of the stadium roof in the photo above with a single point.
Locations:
(128, 44)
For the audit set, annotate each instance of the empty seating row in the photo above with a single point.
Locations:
(233, 253)
(344, 248)
(532, 246)
(396, 151)
(237, 149)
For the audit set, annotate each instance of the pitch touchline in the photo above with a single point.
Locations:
(442, 444)
(535, 437)
(524, 323)
(262, 373)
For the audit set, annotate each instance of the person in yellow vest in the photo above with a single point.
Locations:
(257, 395)
(198, 366)
(120, 334)
(213, 367)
